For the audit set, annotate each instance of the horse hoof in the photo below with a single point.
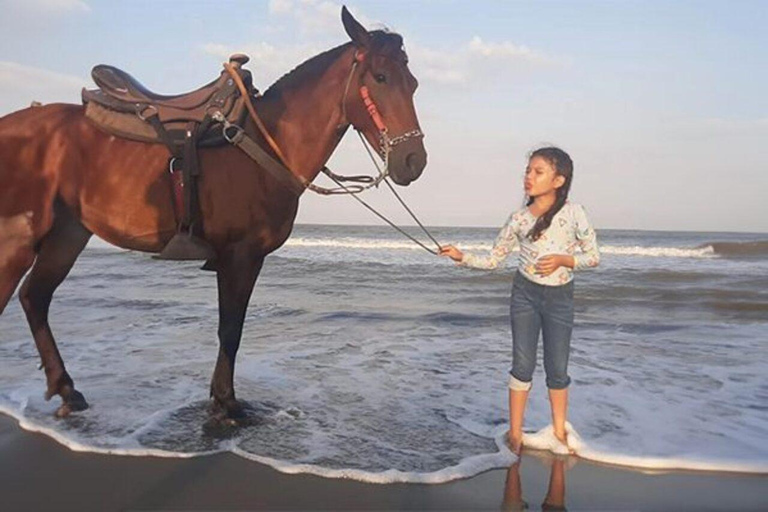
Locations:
(74, 402)
(64, 411)
(228, 410)
(229, 422)
(226, 418)
(221, 428)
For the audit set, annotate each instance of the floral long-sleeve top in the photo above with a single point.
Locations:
(570, 228)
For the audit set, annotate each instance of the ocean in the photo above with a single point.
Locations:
(363, 356)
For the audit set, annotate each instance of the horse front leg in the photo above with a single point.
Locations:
(237, 271)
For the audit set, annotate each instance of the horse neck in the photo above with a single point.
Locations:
(304, 119)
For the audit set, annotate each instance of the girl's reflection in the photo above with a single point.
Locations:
(555, 498)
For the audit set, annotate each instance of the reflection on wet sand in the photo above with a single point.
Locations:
(555, 498)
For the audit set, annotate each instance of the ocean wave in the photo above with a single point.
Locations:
(666, 252)
(362, 243)
(755, 249)
(382, 244)
(750, 250)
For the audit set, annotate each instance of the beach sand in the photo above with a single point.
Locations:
(37, 473)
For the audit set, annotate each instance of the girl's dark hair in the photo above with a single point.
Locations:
(563, 166)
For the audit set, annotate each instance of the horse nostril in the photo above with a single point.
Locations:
(415, 162)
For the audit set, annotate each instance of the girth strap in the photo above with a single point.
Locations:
(154, 121)
(184, 181)
(191, 170)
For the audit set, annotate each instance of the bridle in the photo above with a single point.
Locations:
(386, 143)
(298, 183)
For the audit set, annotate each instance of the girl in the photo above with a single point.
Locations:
(547, 229)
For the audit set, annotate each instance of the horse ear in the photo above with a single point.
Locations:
(355, 30)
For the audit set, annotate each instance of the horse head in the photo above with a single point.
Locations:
(381, 104)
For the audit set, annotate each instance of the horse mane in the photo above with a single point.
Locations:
(388, 44)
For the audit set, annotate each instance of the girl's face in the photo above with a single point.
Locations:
(541, 178)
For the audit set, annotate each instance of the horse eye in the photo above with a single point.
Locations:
(380, 78)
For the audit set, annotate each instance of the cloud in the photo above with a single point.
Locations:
(504, 50)
(317, 26)
(268, 62)
(280, 6)
(473, 59)
(312, 17)
(317, 17)
(21, 84)
(436, 66)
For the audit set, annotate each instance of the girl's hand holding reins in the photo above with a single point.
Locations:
(452, 252)
(548, 264)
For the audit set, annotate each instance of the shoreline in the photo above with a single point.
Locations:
(38, 473)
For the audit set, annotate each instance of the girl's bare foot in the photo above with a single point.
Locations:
(563, 438)
(515, 443)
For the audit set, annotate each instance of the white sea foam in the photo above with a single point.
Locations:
(402, 244)
(666, 252)
(545, 439)
(386, 244)
(78, 446)
(468, 467)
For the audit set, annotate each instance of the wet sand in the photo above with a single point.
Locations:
(36, 473)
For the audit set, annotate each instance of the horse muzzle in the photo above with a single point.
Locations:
(407, 161)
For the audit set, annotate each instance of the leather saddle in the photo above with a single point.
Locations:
(123, 107)
(123, 86)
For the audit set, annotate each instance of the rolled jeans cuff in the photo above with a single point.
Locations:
(518, 385)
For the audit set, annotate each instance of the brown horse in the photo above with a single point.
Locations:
(62, 180)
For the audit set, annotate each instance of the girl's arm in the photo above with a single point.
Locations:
(587, 240)
(502, 246)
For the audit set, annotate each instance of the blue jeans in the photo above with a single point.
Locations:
(538, 308)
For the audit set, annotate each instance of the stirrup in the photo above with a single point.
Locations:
(186, 246)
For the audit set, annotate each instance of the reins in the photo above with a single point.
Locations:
(297, 182)
(249, 105)
(389, 185)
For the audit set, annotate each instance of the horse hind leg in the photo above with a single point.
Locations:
(17, 253)
(57, 253)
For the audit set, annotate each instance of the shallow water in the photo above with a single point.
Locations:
(365, 357)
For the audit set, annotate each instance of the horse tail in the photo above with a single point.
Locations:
(28, 187)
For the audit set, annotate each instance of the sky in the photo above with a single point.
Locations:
(661, 104)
